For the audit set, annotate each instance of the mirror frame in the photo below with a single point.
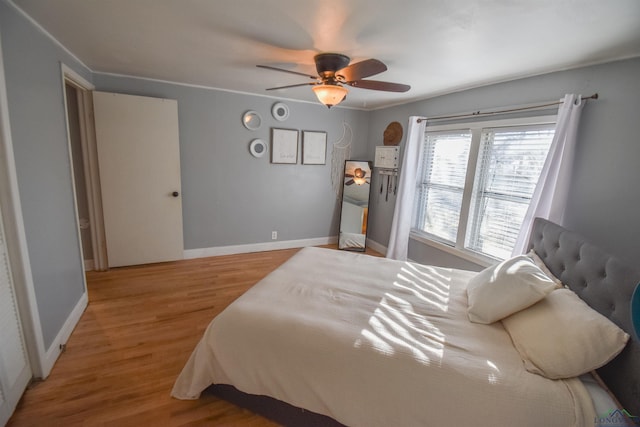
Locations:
(358, 246)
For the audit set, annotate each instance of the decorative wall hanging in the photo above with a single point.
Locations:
(386, 161)
(314, 148)
(280, 111)
(251, 120)
(341, 151)
(284, 146)
(257, 148)
(387, 157)
(393, 134)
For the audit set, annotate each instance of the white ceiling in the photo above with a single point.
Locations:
(436, 46)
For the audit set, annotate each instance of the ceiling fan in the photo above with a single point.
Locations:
(359, 177)
(334, 71)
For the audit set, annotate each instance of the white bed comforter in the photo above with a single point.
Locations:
(375, 342)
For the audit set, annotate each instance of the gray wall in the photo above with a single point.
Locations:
(604, 204)
(231, 197)
(36, 110)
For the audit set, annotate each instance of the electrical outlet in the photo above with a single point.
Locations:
(274, 235)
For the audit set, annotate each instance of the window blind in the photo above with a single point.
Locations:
(440, 191)
(509, 166)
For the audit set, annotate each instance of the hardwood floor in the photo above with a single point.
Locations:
(135, 336)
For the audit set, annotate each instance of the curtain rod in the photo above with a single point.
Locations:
(510, 110)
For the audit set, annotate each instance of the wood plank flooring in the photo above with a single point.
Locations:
(135, 336)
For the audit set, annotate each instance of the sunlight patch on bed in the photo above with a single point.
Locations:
(428, 285)
(391, 332)
(396, 327)
(379, 344)
(425, 295)
(493, 377)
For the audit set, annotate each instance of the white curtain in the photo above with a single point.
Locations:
(550, 195)
(402, 215)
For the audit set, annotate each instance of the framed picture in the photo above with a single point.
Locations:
(314, 147)
(284, 146)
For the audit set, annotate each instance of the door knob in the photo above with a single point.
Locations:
(175, 194)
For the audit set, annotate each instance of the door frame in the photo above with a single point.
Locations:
(90, 163)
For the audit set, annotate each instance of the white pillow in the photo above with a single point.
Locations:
(505, 288)
(538, 261)
(562, 337)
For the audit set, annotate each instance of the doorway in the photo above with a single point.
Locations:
(124, 217)
(75, 145)
(84, 165)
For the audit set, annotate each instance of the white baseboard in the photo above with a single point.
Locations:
(257, 247)
(54, 350)
(377, 247)
(88, 265)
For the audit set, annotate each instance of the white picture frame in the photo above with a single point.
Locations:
(314, 147)
(284, 146)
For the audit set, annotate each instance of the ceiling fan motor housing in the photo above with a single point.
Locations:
(328, 63)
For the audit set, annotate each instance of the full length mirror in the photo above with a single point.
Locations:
(355, 205)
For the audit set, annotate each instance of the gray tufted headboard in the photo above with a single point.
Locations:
(606, 285)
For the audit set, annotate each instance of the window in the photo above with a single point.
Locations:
(440, 192)
(476, 182)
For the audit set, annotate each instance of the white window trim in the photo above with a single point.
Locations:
(475, 128)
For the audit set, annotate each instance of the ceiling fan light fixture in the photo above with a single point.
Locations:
(359, 176)
(359, 181)
(330, 95)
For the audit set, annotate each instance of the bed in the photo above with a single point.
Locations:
(359, 340)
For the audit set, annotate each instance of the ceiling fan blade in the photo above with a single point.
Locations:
(378, 85)
(362, 69)
(288, 86)
(350, 182)
(268, 67)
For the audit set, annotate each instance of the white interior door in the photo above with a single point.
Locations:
(15, 371)
(139, 161)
